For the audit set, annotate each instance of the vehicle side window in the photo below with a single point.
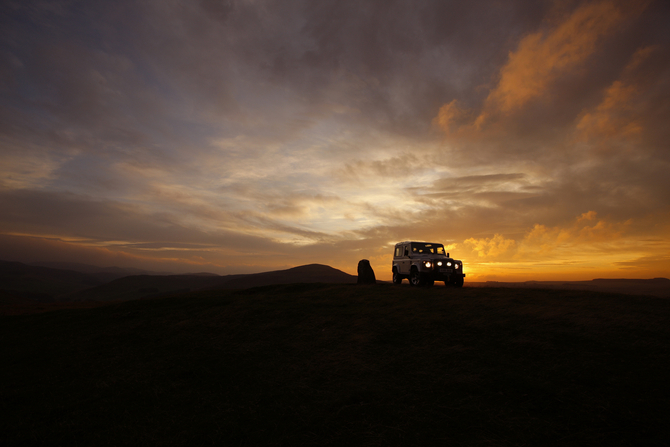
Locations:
(406, 251)
(398, 252)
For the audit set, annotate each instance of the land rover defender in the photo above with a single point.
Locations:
(423, 263)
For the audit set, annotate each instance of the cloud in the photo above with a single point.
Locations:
(493, 247)
(292, 132)
(587, 234)
(587, 230)
(533, 79)
(541, 57)
(479, 183)
(451, 118)
(587, 247)
(620, 117)
(603, 122)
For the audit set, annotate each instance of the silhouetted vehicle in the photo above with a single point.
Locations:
(423, 263)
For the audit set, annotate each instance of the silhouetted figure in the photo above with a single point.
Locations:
(365, 273)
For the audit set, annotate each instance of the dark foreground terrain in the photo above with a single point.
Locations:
(316, 364)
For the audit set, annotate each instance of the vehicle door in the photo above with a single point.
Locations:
(405, 262)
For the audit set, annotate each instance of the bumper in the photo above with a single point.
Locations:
(442, 274)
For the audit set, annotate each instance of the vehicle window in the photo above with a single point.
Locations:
(398, 252)
(426, 249)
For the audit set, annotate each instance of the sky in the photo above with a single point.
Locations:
(531, 138)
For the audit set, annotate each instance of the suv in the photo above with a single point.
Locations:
(423, 263)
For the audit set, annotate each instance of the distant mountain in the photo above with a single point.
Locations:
(659, 287)
(50, 284)
(662, 281)
(105, 274)
(654, 287)
(42, 283)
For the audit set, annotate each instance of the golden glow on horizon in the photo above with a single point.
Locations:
(544, 254)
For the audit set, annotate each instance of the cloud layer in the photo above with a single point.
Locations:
(248, 135)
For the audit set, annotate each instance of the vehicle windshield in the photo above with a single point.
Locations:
(428, 249)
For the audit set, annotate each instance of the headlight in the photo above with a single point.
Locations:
(448, 264)
(428, 264)
(439, 263)
(456, 266)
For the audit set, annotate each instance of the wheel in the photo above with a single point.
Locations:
(458, 282)
(415, 278)
(397, 277)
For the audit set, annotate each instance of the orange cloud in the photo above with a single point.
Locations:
(449, 117)
(540, 59)
(542, 242)
(586, 231)
(491, 247)
(588, 246)
(616, 115)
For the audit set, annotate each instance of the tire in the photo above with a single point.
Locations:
(458, 282)
(415, 278)
(397, 277)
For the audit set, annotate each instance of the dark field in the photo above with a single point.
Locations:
(317, 364)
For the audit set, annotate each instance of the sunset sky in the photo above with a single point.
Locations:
(531, 138)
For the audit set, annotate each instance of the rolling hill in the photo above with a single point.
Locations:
(45, 284)
(311, 273)
(146, 286)
(33, 283)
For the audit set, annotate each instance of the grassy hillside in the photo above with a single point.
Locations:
(317, 364)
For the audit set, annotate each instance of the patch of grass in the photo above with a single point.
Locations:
(318, 364)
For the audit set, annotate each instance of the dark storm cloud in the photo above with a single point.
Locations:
(410, 55)
(128, 73)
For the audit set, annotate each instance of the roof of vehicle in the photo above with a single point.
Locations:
(417, 242)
